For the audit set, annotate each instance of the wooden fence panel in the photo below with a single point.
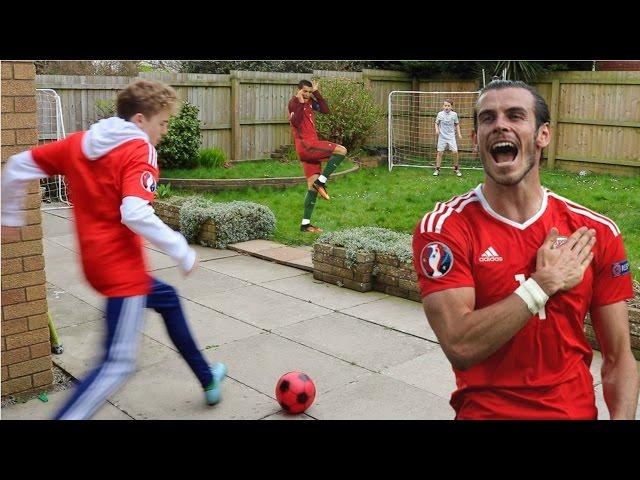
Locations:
(595, 115)
(597, 123)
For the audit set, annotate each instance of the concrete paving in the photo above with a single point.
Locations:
(263, 308)
(251, 269)
(397, 313)
(356, 341)
(320, 293)
(255, 307)
(297, 257)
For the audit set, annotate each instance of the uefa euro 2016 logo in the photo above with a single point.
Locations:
(620, 268)
(148, 182)
(436, 259)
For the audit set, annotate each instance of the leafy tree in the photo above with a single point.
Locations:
(354, 113)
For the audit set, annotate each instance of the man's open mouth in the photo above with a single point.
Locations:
(504, 152)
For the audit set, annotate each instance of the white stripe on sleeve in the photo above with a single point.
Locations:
(139, 216)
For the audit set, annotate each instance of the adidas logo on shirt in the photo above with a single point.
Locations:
(490, 255)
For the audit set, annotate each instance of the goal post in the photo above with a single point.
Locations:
(411, 128)
(50, 125)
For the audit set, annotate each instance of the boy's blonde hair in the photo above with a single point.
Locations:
(146, 97)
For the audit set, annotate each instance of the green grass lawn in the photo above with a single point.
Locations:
(397, 200)
(251, 169)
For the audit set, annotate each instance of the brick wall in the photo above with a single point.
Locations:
(371, 271)
(26, 351)
(396, 278)
(330, 265)
(618, 65)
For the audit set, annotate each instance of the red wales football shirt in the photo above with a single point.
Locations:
(543, 371)
(112, 254)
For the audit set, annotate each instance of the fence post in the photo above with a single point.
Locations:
(555, 100)
(366, 81)
(236, 147)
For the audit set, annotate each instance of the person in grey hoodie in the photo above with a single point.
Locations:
(112, 173)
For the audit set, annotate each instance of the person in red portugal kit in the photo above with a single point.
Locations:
(112, 173)
(311, 150)
(508, 272)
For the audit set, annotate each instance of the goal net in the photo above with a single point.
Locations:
(51, 128)
(412, 135)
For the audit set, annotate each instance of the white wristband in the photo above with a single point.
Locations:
(533, 295)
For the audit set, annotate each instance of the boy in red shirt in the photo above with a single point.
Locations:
(112, 173)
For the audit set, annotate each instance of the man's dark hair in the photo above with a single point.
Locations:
(449, 101)
(540, 107)
(304, 83)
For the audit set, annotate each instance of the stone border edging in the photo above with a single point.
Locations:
(372, 271)
(170, 214)
(214, 185)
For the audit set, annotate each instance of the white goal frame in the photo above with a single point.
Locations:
(425, 155)
(50, 126)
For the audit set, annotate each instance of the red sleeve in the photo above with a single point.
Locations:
(611, 271)
(139, 171)
(322, 103)
(441, 259)
(295, 112)
(52, 157)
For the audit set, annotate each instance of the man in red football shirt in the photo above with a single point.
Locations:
(112, 171)
(311, 150)
(508, 272)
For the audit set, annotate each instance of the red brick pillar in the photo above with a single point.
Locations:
(26, 351)
(618, 65)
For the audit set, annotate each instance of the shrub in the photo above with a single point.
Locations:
(234, 221)
(370, 240)
(180, 146)
(212, 158)
(354, 113)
